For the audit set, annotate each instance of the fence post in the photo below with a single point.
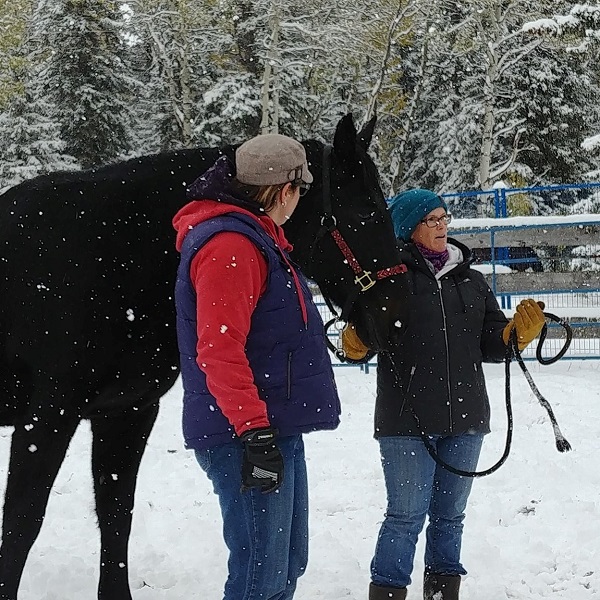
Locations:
(493, 259)
(497, 211)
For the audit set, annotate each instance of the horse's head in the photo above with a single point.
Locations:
(344, 239)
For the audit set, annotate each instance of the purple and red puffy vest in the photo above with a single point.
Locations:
(292, 369)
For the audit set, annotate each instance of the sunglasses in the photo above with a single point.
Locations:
(298, 183)
(304, 187)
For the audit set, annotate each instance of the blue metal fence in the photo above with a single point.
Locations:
(567, 199)
(501, 202)
(556, 200)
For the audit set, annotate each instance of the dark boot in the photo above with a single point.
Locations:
(441, 587)
(377, 592)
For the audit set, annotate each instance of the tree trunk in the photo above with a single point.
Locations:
(270, 95)
(410, 116)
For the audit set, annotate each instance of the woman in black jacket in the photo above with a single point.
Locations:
(433, 383)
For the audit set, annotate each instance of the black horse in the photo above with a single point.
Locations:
(87, 323)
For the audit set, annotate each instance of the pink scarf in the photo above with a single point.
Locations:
(437, 259)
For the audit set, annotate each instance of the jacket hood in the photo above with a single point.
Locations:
(212, 195)
(466, 251)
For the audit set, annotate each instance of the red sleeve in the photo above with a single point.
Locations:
(229, 274)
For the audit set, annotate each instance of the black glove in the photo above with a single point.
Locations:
(262, 465)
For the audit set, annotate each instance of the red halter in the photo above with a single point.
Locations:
(363, 278)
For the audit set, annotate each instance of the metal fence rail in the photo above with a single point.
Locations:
(568, 199)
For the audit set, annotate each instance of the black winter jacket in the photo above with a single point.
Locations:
(455, 325)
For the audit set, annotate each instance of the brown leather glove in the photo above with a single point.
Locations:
(528, 322)
(352, 345)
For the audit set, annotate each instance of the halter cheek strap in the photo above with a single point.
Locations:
(364, 280)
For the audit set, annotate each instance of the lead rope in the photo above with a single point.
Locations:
(512, 348)
(562, 445)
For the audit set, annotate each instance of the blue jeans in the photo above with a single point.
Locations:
(266, 534)
(417, 487)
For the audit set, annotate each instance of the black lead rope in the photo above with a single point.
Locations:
(512, 349)
(562, 445)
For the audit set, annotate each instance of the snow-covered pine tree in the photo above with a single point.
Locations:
(229, 105)
(441, 152)
(14, 15)
(576, 31)
(579, 23)
(561, 103)
(30, 141)
(85, 79)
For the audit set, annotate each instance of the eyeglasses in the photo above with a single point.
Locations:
(433, 222)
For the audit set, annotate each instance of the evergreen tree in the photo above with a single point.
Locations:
(14, 15)
(29, 138)
(29, 143)
(561, 103)
(85, 78)
(229, 106)
(573, 35)
(441, 152)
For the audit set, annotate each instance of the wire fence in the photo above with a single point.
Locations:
(585, 344)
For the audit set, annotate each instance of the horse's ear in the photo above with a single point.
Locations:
(344, 141)
(366, 133)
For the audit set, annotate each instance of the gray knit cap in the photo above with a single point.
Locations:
(271, 159)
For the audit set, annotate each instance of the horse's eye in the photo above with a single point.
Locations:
(367, 216)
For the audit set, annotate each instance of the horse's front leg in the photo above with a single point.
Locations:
(119, 441)
(38, 448)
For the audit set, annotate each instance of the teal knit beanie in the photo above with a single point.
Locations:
(410, 207)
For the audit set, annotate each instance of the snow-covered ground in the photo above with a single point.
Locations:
(532, 528)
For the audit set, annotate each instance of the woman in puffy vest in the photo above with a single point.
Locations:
(433, 384)
(255, 369)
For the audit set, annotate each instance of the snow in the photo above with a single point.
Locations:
(487, 269)
(591, 143)
(531, 530)
(535, 221)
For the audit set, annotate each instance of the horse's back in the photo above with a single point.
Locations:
(87, 261)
